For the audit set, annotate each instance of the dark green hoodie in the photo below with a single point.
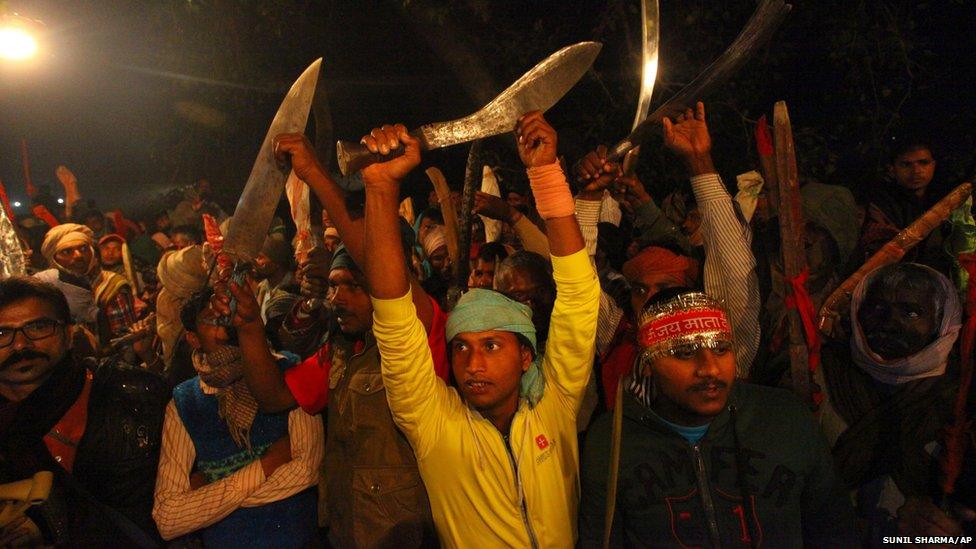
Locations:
(672, 494)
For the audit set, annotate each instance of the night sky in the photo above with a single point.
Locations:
(138, 97)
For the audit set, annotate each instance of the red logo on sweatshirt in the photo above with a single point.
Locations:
(542, 442)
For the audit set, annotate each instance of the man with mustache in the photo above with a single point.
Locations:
(889, 392)
(96, 426)
(704, 459)
(100, 299)
(498, 452)
(666, 259)
(373, 494)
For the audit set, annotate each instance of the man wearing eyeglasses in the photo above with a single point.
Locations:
(97, 428)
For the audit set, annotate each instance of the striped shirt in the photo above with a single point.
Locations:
(730, 273)
(178, 509)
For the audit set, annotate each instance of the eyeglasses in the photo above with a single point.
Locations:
(39, 329)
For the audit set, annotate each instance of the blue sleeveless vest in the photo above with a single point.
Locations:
(291, 522)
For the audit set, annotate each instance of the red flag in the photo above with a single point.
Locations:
(955, 433)
(45, 215)
(28, 184)
(764, 141)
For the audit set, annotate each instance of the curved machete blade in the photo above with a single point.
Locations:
(261, 194)
(651, 32)
(540, 88)
(757, 31)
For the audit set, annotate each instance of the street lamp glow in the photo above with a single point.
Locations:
(60, 201)
(16, 204)
(16, 44)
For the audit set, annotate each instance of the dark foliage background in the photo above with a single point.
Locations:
(142, 96)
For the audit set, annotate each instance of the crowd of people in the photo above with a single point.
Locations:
(614, 371)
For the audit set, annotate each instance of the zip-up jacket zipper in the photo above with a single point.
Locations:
(518, 482)
(706, 495)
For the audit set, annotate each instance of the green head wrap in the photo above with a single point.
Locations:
(482, 310)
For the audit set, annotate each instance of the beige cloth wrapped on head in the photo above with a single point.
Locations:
(65, 236)
(182, 273)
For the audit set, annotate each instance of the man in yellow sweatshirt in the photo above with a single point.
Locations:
(498, 451)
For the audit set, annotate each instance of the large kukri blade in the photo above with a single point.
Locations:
(252, 217)
(538, 89)
(757, 31)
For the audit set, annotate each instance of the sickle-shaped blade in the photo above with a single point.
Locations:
(261, 194)
(757, 31)
(650, 31)
(538, 89)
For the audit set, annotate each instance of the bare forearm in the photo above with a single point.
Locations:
(261, 372)
(333, 199)
(386, 271)
(352, 232)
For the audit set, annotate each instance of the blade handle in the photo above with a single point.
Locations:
(353, 157)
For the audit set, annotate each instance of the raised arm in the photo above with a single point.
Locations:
(533, 239)
(730, 268)
(650, 223)
(569, 352)
(261, 372)
(417, 397)
(537, 149)
(332, 197)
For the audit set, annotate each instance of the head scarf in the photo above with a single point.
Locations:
(67, 235)
(110, 237)
(833, 208)
(223, 370)
(436, 238)
(182, 272)
(930, 361)
(482, 310)
(662, 261)
(342, 260)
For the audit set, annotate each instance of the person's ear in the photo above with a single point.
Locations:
(526, 356)
(193, 339)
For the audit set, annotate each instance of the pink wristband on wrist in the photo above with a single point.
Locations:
(551, 191)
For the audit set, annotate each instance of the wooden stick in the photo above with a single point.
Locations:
(447, 208)
(892, 252)
(792, 247)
